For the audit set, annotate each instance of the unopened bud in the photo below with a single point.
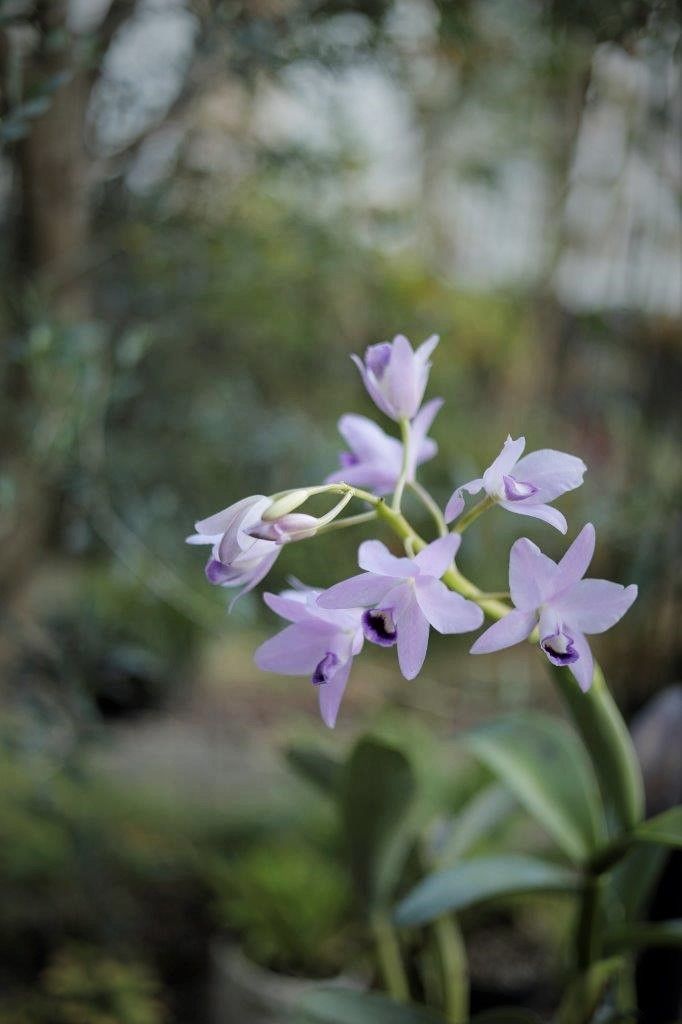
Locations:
(285, 504)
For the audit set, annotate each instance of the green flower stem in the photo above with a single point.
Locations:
(588, 944)
(340, 524)
(454, 969)
(402, 479)
(428, 503)
(390, 959)
(472, 515)
(604, 733)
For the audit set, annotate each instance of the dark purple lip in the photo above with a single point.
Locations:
(324, 670)
(559, 648)
(379, 627)
(517, 490)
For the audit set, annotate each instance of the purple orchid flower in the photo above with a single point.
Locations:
(375, 459)
(565, 605)
(395, 375)
(237, 559)
(525, 485)
(404, 596)
(318, 643)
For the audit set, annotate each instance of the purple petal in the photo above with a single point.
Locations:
(593, 606)
(545, 512)
(402, 379)
(575, 562)
(222, 521)
(447, 612)
(377, 358)
(425, 350)
(436, 557)
(368, 441)
(531, 575)
(331, 694)
(583, 668)
(373, 556)
(297, 650)
(294, 609)
(507, 459)
(413, 634)
(255, 575)
(372, 387)
(364, 589)
(512, 629)
(456, 503)
(552, 473)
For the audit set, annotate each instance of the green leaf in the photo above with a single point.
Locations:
(632, 881)
(644, 934)
(378, 790)
(343, 1006)
(665, 828)
(480, 880)
(585, 993)
(480, 817)
(608, 742)
(544, 766)
(323, 771)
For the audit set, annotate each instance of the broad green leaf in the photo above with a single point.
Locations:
(378, 790)
(323, 771)
(585, 993)
(609, 745)
(644, 934)
(480, 880)
(544, 766)
(632, 881)
(481, 816)
(343, 1006)
(665, 828)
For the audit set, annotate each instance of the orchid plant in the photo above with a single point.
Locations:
(397, 599)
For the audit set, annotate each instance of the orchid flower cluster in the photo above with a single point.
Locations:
(396, 601)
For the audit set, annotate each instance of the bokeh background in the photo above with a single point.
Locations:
(206, 207)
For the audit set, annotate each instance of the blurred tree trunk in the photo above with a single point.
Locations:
(50, 246)
(55, 214)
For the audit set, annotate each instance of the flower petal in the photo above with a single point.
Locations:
(330, 694)
(531, 575)
(373, 556)
(593, 606)
(508, 457)
(436, 557)
(294, 609)
(548, 514)
(222, 521)
(552, 472)
(361, 590)
(455, 505)
(413, 634)
(447, 612)
(256, 575)
(510, 630)
(583, 668)
(422, 447)
(575, 562)
(296, 650)
(367, 440)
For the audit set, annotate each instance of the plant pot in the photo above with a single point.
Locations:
(242, 992)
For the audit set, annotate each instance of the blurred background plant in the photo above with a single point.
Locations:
(206, 207)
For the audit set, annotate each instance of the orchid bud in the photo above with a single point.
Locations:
(288, 501)
(396, 376)
(295, 525)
